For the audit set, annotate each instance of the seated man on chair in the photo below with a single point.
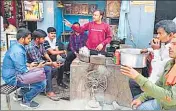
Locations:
(76, 41)
(53, 51)
(37, 53)
(14, 63)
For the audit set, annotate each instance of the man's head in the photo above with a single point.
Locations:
(39, 36)
(172, 48)
(165, 30)
(98, 15)
(51, 32)
(76, 24)
(23, 36)
(5, 23)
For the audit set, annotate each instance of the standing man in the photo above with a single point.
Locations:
(99, 34)
(164, 95)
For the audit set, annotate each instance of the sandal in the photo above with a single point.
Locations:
(63, 85)
(52, 96)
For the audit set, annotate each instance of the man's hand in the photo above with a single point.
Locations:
(129, 71)
(135, 103)
(144, 51)
(99, 47)
(67, 23)
(155, 44)
(171, 76)
(33, 64)
(41, 64)
(56, 64)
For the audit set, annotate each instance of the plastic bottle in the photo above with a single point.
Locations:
(117, 57)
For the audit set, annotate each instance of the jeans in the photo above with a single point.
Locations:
(135, 88)
(70, 57)
(48, 73)
(34, 89)
(150, 105)
(58, 71)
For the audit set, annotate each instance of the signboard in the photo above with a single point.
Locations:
(137, 2)
(33, 10)
(149, 8)
(113, 8)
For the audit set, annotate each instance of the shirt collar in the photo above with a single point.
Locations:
(34, 44)
(21, 45)
(167, 45)
(169, 65)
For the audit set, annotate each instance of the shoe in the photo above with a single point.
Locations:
(52, 96)
(67, 72)
(43, 93)
(65, 98)
(61, 84)
(17, 97)
(67, 80)
(32, 104)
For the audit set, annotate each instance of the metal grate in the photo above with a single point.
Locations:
(7, 89)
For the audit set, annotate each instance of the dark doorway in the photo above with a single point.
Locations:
(31, 25)
(165, 10)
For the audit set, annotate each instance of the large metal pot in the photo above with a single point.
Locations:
(132, 57)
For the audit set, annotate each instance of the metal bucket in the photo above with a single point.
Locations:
(132, 57)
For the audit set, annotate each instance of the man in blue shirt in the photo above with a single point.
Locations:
(15, 62)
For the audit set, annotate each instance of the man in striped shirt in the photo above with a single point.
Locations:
(52, 49)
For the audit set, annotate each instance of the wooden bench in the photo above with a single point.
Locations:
(7, 90)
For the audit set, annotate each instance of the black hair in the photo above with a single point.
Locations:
(22, 33)
(39, 33)
(51, 29)
(101, 12)
(5, 21)
(76, 23)
(168, 25)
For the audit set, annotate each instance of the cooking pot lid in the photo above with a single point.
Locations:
(132, 51)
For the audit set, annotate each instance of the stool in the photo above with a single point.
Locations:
(7, 90)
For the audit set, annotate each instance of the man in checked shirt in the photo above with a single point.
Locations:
(37, 53)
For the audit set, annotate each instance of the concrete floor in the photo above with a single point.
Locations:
(47, 104)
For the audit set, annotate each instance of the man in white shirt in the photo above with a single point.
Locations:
(8, 27)
(160, 48)
(51, 46)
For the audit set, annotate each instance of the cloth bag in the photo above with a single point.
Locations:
(32, 76)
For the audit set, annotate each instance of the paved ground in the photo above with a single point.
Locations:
(47, 104)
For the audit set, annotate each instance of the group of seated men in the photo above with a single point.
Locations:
(39, 49)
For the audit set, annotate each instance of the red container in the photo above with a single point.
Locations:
(117, 57)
